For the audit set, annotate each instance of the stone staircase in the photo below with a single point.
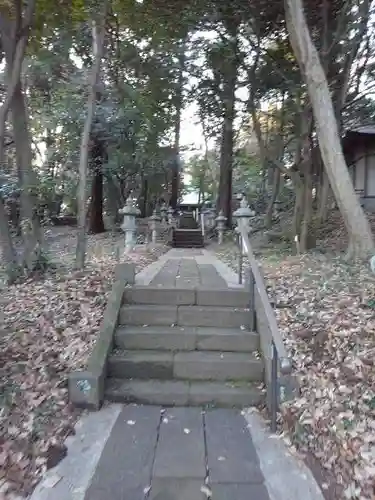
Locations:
(187, 235)
(185, 346)
(187, 238)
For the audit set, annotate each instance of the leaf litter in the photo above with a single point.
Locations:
(48, 326)
(325, 309)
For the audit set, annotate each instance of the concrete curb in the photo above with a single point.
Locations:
(70, 479)
(286, 477)
(86, 387)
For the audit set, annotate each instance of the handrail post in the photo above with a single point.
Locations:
(274, 388)
(240, 259)
(251, 284)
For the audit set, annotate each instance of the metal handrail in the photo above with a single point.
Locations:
(280, 358)
(285, 364)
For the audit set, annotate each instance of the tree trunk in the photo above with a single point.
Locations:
(98, 158)
(361, 243)
(8, 254)
(227, 135)
(14, 38)
(98, 48)
(144, 197)
(306, 233)
(30, 222)
(323, 199)
(96, 223)
(298, 208)
(175, 184)
(275, 192)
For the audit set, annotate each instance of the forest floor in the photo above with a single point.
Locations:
(325, 309)
(48, 326)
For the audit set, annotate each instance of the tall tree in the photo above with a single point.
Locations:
(14, 39)
(98, 35)
(181, 55)
(361, 243)
(15, 23)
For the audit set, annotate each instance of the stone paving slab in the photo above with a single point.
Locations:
(177, 489)
(239, 492)
(210, 278)
(188, 273)
(120, 466)
(125, 467)
(201, 257)
(231, 455)
(181, 450)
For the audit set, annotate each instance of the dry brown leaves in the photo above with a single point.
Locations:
(326, 312)
(48, 328)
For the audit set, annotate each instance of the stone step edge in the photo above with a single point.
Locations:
(175, 339)
(185, 392)
(186, 365)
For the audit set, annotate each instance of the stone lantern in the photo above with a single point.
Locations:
(129, 225)
(154, 219)
(170, 215)
(220, 221)
(163, 213)
(242, 216)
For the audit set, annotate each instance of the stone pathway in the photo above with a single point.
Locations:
(130, 452)
(178, 454)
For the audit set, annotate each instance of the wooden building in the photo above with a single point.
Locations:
(359, 150)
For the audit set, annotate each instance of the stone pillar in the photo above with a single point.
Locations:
(242, 217)
(129, 225)
(220, 221)
(154, 219)
(170, 216)
(163, 213)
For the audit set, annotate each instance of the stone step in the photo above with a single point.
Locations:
(188, 236)
(188, 245)
(188, 365)
(166, 338)
(170, 315)
(184, 393)
(223, 317)
(159, 295)
(148, 315)
(185, 297)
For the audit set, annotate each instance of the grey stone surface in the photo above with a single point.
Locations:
(156, 338)
(159, 295)
(226, 339)
(76, 470)
(209, 365)
(231, 455)
(222, 394)
(279, 467)
(141, 365)
(180, 452)
(225, 271)
(181, 393)
(148, 315)
(210, 278)
(125, 467)
(239, 492)
(226, 317)
(152, 392)
(86, 389)
(177, 489)
(223, 297)
(125, 272)
(166, 275)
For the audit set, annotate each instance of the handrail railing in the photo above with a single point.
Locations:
(270, 337)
